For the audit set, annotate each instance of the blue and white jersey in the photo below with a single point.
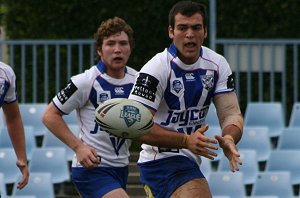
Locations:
(7, 84)
(180, 94)
(84, 93)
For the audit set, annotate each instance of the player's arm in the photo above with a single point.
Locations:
(197, 142)
(231, 122)
(55, 123)
(16, 132)
(230, 116)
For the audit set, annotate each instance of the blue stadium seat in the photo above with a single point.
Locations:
(249, 168)
(256, 138)
(8, 166)
(227, 184)
(50, 141)
(206, 166)
(5, 141)
(265, 114)
(32, 114)
(212, 118)
(211, 132)
(3, 191)
(276, 183)
(285, 160)
(52, 160)
(39, 185)
(295, 116)
(71, 118)
(289, 139)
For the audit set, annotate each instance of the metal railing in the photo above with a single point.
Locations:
(265, 70)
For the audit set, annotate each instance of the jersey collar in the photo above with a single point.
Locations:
(102, 67)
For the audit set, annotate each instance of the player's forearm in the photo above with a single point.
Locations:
(233, 132)
(164, 138)
(54, 122)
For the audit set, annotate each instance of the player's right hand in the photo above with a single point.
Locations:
(87, 156)
(200, 144)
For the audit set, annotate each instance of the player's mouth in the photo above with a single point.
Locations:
(118, 59)
(190, 45)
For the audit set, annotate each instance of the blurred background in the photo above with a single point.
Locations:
(46, 42)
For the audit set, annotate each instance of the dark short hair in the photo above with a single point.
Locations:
(110, 27)
(187, 8)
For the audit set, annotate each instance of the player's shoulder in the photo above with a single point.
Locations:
(131, 71)
(210, 54)
(6, 70)
(87, 77)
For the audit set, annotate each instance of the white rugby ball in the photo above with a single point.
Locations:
(124, 118)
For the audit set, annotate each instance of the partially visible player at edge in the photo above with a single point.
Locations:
(110, 78)
(178, 85)
(13, 119)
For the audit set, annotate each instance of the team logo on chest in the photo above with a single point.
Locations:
(103, 96)
(207, 81)
(119, 91)
(130, 114)
(177, 86)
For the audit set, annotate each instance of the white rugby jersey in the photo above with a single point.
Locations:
(85, 92)
(180, 94)
(7, 84)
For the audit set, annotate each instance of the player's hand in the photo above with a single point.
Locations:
(230, 150)
(25, 173)
(87, 156)
(200, 144)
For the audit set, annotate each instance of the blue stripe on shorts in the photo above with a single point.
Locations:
(164, 176)
(94, 183)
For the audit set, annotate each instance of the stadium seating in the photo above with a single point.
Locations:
(32, 114)
(71, 118)
(273, 183)
(212, 118)
(3, 191)
(256, 138)
(295, 116)
(227, 184)
(51, 160)
(265, 114)
(206, 167)
(50, 140)
(249, 168)
(39, 185)
(289, 139)
(8, 166)
(285, 160)
(5, 141)
(211, 132)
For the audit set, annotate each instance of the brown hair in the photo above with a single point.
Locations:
(111, 27)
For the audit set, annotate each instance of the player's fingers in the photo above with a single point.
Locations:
(202, 129)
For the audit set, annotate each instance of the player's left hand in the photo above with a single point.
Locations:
(230, 151)
(25, 173)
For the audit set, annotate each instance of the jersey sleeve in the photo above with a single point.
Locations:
(74, 95)
(8, 84)
(225, 82)
(151, 82)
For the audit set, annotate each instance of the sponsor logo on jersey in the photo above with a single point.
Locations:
(145, 86)
(119, 90)
(190, 77)
(207, 81)
(190, 117)
(130, 114)
(230, 82)
(66, 92)
(177, 86)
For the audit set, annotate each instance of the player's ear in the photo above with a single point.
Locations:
(171, 32)
(205, 32)
(99, 52)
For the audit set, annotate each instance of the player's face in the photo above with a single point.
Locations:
(188, 36)
(115, 52)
